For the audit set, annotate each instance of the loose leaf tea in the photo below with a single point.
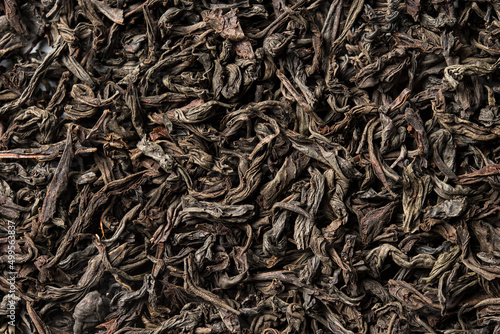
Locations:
(249, 166)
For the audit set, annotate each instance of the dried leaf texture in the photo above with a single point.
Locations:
(249, 166)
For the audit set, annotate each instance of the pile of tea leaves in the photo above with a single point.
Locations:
(249, 166)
